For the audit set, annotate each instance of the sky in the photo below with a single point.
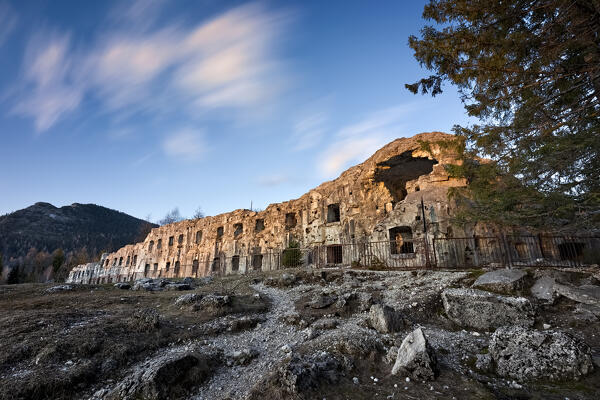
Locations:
(143, 106)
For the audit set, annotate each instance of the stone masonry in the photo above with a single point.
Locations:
(376, 201)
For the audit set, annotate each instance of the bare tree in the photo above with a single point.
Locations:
(198, 213)
(172, 216)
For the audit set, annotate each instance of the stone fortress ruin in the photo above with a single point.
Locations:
(386, 211)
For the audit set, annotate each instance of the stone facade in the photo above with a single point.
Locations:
(376, 201)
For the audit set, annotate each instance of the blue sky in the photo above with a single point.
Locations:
(142, 106)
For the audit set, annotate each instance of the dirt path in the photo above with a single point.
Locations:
(268, 339)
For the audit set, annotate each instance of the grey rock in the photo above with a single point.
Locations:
(245, 322)
(587, 312)
(502, 280)
(212, 302)
(59, 288)
(528, 354)
(148, 284)
(416, 358)
(543, 289)
(321, 300)
(486, 311)
(122, 285)
(308, 372)
(385, 319)
(178, 286)
(188, 280)
(586, 294)
(287, 279)
(187, 299)
(391, 355)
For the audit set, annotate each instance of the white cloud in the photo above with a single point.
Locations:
(229, 61)
(8, 21)
(49, 93)
(355, 143)
(187, 145)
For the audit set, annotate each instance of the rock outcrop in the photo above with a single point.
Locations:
(527, 354)
(481, 310)
(169, 376)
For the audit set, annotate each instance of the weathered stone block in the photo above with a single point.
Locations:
(502, 281)
(527, 354)
(481, 310)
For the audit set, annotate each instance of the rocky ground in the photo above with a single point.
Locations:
(308, 334)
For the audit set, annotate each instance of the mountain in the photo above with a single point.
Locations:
(45, 227)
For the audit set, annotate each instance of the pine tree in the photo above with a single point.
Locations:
(529, 70)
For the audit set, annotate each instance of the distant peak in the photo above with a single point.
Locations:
(43, 204)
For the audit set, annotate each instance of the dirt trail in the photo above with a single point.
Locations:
(268, 339)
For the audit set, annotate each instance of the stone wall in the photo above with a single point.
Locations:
(378, 200)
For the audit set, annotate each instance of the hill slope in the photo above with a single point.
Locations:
(45, 227)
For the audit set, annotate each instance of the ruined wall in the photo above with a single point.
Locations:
(363, 204)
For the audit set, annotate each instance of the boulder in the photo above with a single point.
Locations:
(528, 354)
(481, 310)
(415, 358)
(385, 319)
(502, 281)
(586, 294)
(543, 289)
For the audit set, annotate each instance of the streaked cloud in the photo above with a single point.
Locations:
(188, 145)
(8, 21)
(48, 90)
(309, 130)
(356, 142)
(229, 61)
